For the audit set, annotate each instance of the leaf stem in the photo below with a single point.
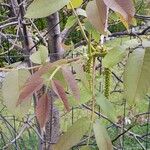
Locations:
(80, 25)
(93, 91)
(51, 77)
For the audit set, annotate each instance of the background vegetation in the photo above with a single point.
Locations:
(118, 59)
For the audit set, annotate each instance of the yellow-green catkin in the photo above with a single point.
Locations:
(107, 74)
(90, 62)
(89, 70)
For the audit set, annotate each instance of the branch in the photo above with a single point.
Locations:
(143, 17)
(117, 125)
(145, 31)
(25, 126)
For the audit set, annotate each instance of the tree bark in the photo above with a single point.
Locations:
(54, 37)
(56, 51)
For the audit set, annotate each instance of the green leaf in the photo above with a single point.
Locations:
(85, 96)
(102, 139)
(70, 21)
(80, 74)
(137, 75)
(85, 92)
(91, 30)
(81, 12)
(75, 4)
(73, 135)
(58, 76)
(44, 8)
(126, 43)
(11, 88)
(40, 56)
(116, 42)
(113, 57)
(132, 43)
(106, 106)
(145, 43)
(85, 148)
(14, 65)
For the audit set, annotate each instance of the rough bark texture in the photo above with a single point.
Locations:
(54, 38)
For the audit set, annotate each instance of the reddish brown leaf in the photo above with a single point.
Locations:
(70, 79)
(97, 14)
(123, 7)
(35, 82)
(59, 90)
(42, 110)
(29, 88)
(44, 69)
(40, 72)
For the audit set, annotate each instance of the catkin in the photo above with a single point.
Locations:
(107, 82)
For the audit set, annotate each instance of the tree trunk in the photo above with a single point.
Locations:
(56, 51)
(54, 37)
